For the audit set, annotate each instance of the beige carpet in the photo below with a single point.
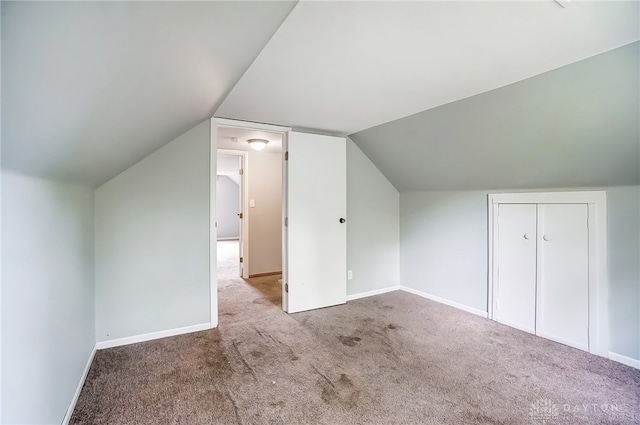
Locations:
(390, 359)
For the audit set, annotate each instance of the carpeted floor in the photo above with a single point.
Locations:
(390, 359)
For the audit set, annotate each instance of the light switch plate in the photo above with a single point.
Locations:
(252, 203)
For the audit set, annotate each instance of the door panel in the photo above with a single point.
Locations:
(516, 296)
(316, 239)
(563, 274)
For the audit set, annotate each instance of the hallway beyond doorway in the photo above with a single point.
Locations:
(234, 290)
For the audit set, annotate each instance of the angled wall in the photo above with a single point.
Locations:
(373, 225)
(576, 126)
(152, 242)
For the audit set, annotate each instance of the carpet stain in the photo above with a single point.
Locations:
(328, 394)
(392, 326)
(344, 379)
(235, 408)
(244, 362)
(256, 353)
(280, 404)
(327, 380)
(349, 341)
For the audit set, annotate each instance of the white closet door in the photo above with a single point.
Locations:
(516, 300)
(563, 274)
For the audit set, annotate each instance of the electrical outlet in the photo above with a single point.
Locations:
(349, 274)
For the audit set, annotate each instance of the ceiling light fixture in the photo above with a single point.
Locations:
(257, 144)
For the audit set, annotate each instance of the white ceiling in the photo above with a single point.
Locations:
(347, 66)
(90, 88)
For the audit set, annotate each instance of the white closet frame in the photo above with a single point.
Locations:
(598, 277)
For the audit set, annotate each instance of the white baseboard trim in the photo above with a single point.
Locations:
(445, 301)
(233, 238)
(624, 360)
(150, 336)
(76, 395)
(372, 293)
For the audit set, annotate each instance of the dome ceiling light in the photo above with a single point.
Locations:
(257, 144)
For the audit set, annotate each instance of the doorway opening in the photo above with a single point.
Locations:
(249, 211)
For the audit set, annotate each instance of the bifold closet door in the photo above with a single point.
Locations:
(516, 292)
(563, 274)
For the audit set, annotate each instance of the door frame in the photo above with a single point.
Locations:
(598, 277)
(244, 202)
(216, 122)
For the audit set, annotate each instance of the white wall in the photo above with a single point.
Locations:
(152, 241)
(373, 225)
(624, 269)
(227, 208)
(265, 220)
(444, 252)
(48, 296)
(443, 245)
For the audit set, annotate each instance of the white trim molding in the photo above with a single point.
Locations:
(372, 293)
(248, 125)
(596, 202)
(76, 395)
(445, 301)
(624, 360)
(151, 336)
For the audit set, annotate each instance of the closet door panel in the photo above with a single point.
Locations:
(516, 300)
(563, 274)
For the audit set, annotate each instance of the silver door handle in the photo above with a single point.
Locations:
(545, 237)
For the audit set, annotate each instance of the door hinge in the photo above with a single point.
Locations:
(286, 221)
(286, 288)
(241, 171)
(241, 260)
(240, 215)
(286, 156)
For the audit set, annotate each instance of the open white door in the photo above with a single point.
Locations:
(241, 216)
(316, 232)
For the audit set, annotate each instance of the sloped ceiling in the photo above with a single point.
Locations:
(577, 126)
(90, 88)
(343, 67)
